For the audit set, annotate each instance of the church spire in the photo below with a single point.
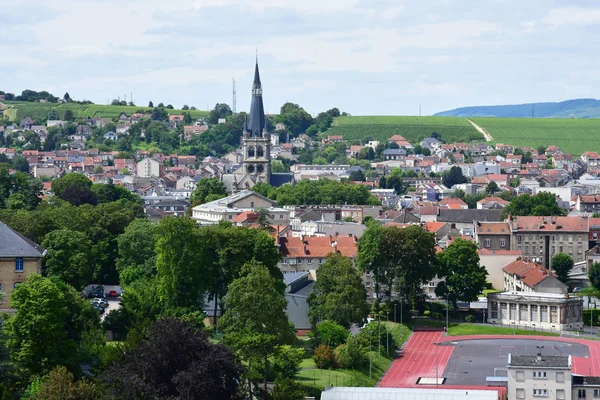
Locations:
(256, 122)
(256, 85)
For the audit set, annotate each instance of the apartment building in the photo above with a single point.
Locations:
(545, 376)
(540, 238)
(492, 235)
(528, 276)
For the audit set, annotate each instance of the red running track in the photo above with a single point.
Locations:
(418, 359)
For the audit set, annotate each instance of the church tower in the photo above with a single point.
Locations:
(256, 141)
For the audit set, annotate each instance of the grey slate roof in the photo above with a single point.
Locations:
(468, 215)
(281, 178)
(544, 361)
(13, 244)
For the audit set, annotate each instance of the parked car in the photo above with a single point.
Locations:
(100, 302)
(100, 309)
(576, 289)
(113, 293)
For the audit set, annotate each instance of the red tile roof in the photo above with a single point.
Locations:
(493, 228)
(593, 198)
(530, 273)
(453, 200)
(317, 247)
(396, 138)
(553, 224)
(493, 199)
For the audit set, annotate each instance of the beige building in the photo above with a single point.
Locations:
(527, 276)
(227, 208)
(544, 311)
(19, 258)
(149, 168)
(539, 376)
(494, 261)
(540, 238)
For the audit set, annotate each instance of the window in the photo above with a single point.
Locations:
(540, 392)
(251, 204)
(570, 239)
(581, 394)
(519, 238)
(539, 375)
(520, 376)
(309, 260)
(534, 313)
(520, 393)
(16, 285)
(19, 264)
(579, 249)
(488, 242)
(553, 314)
(494, 315)
(541, 237)
(292, 261)
(512, 311)
(597, 393)
(560, 249)
(526, 249)
(579, 238)
(368, 284)
(544, 313)
(560, 377)
(554, 238)
(560, 394)
(280, 216)
(533, 250)
(299, 261)
(502, 242)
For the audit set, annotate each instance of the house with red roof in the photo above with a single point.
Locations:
(454, 203)
(528, 276)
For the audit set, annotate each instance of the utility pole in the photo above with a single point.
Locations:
(234, 100)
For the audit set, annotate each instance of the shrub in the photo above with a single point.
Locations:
(323, 357)
(469, 318)
(331, 334)
(286, 361)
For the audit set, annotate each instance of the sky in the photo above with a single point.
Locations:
(366, 57)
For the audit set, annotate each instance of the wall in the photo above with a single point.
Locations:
(493, 264)
(8, 275)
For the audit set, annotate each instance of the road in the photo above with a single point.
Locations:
(486, 135)
(113, 304)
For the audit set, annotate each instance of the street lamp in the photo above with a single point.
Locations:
(446, 313)
(370, 354)
(437, 379)
(387, 331)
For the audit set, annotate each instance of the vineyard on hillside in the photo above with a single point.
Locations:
(414, 129)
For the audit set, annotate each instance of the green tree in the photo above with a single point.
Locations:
(221, 110)
(594, 274)
(67, 97)
(492, 188)
(150, 104)
(331, 334)
(288, 389)
(339, 293)
(50, 323)
(255, 320)
(74, 188)
(182, 281)
(19, 163)
(137, 257)
(69, 116)
(286, 361)
(453, 177)
(207, 187)
(464, 277)
(68, 257)
(541, 204)
(60, 385)
(358, 176)
(562, 264)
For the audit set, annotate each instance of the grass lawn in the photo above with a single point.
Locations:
(312, 376)
(478, 329)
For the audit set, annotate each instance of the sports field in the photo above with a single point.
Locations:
(574, 136)
(466, 361)
(414, 129)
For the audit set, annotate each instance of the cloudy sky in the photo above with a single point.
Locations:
(362, 56)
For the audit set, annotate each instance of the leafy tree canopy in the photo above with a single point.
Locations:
(562, 264)
(541, 204)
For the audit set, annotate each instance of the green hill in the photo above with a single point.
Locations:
(414, 129)
(39, 111)
(578, 108)
(575, 136)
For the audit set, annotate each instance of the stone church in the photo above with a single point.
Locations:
(256, 148)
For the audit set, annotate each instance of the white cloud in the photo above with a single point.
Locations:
(558, 17)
